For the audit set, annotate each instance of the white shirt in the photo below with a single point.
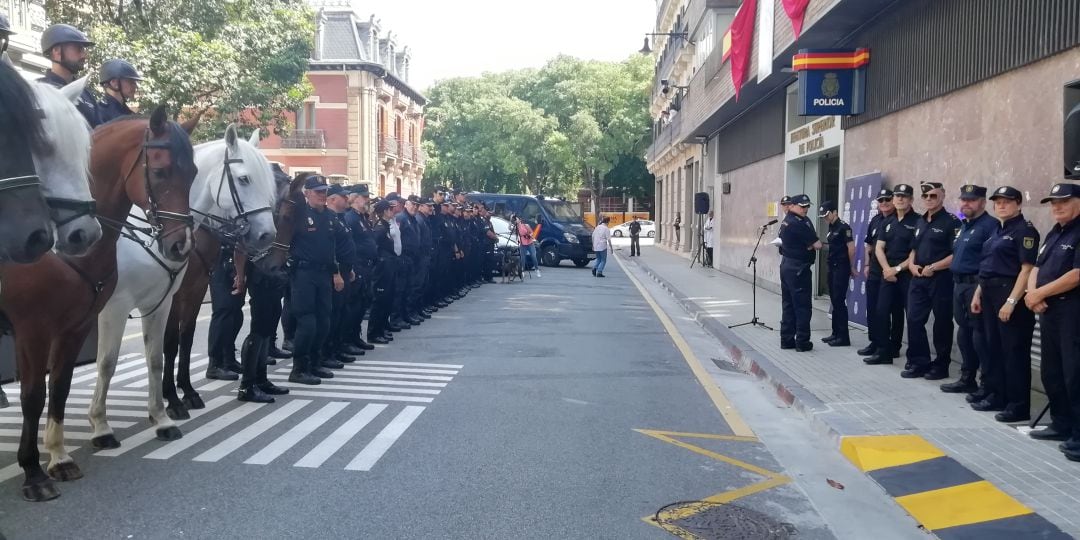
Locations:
(709, 233)
(395, 233)
(601, 236)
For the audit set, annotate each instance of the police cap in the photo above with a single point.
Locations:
(414, 199)
(1063, 190)
(5, 26)
(117, 69)
(316, 182)
(336, 189)
(826, 207)
(361, 190)
(971, 192)
(802, 200)
(62, 33)
(1007, 192)
(785, 200)
(392, 196)
(903, 190)
(428, 201)
(927, 187)
(381, 207)
(884, 195)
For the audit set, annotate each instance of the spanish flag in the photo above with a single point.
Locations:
(726, 46)
(820, 60)
(536, 231)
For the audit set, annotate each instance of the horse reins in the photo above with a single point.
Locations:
(230, 230)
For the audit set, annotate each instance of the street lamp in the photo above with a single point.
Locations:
(646, 49)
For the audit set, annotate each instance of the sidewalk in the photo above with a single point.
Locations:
(842, 397)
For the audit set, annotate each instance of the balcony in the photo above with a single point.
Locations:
(389, 148)
(669, 135)
(407, 151)
(305, 138)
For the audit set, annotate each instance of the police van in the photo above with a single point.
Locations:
(564, 235)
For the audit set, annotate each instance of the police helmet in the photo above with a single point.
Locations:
(117, 69)
(62, 33)
(5, 26)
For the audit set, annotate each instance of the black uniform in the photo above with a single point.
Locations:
(434, 289)
(313, 261)
(86, 105)
(266, 290)
(1008, 368)
(385, 277)
(967, 254)
(406, 275)
(362, 292)
(798, 236)
(338, 335)
(874, 231)
(226, 318)
(635, 238)
(110, 108)
(898, 235)
(933, 242)
(1059, 255)
(839, 277)
(417, 299)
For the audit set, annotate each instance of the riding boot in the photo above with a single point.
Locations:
(300, 373)
(249, 354)
(3, 400)
(215, 370)
(261, 381)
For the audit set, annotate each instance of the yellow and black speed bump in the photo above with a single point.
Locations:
(941, 494)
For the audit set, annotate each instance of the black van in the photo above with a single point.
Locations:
(563, 233)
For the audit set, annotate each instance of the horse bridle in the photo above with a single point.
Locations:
(231, 230)
(154, 215)
(276, 244)
(78, 207)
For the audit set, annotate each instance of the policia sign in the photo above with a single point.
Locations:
(831, 81)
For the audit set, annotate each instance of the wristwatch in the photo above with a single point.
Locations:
(1011, 301)
(898, 268)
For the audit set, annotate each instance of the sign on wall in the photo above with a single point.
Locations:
(831, 81)
(860, 206)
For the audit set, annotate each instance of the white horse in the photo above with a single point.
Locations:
(235, 192)
(65, 173)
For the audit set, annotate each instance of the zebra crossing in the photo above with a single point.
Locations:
(349, 422)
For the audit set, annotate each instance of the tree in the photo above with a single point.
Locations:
(244, 60)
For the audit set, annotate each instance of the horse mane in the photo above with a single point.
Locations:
(65, 125)
(19, 117)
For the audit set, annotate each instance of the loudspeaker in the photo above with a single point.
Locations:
(1072, 131)
(701, 203)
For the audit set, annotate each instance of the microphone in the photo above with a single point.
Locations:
(773, 222)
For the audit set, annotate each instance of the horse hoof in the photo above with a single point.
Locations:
(40, 491)
(194, 401)
(170, 433)
(65, 472)
(104, 442)
(178, 412)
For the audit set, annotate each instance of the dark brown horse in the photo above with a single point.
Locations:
(52, 304)
(180, 331)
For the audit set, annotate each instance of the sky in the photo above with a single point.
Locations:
(452, 38)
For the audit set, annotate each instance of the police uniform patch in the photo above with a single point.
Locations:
(1029, 242)
(887, 227)
(849, 233)
(969, 188)
(310, 222)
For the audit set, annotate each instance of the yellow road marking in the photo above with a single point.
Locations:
(874, 452)
(726, 408)
(709, 453)
(961, 505)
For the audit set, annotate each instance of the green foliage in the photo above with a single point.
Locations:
(570, 124)
(231, 57)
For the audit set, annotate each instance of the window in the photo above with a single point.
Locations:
(530, 212)
(706, 41)
(562, 211)
(305, 117)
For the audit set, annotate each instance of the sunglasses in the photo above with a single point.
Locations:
(930, 196)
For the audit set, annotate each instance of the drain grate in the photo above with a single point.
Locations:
(699, 520)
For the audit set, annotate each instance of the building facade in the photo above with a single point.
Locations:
(363, 123)
(28, 20)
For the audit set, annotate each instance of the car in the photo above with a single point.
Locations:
(648, 229)
(507, 239)
(563, 235)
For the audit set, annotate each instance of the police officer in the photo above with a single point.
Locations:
(1007, 259)
(367, 255)
(800, 242)
(421, 259)
(975, 228)
(892, 250)
(227, 288)
(266, 290)
(5, 35)
(931, 287)
(410, 248)
(635, 238)
(389, 249)
(489, 240)
(337, 350)
(66, 47)
(785, 207)
(1052, 291)
(120, 80)
(872, 272)
(450, 250)
(426, 218)
(315, 275)
(439, 258)
(841, 244)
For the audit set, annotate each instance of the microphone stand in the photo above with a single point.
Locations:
(754, 321)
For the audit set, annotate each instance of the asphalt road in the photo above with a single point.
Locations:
(561, 407)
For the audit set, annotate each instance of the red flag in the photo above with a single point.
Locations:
(742, 43)
(796, 9)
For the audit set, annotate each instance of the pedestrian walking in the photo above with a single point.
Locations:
(931, 287)
(635, 238)
(841, 254)
(873, 273)
(892, 251)
(975, 229)
(799, 244)
(1007, 259)
(601, 242)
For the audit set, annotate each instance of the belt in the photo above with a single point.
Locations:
(308, 265)
(966, 278)
(997, 281)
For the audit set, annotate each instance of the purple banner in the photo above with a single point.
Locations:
(860, 207)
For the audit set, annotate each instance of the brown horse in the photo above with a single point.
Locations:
(52, 304)
(180, 331)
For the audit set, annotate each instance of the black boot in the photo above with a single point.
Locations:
(300, 373)
(275, 352)
(287, 345)
(249, 354)
(230, 363)
(965, 385)
(261, 381)
(328, 360)
(364, 345)
(214, 370)
(317, 367)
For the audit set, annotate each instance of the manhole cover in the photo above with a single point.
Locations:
(714, 521)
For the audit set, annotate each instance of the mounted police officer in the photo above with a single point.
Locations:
(1007, 259)
(338, 349)
(841, 244)
(872, 272)
(362, 293)
(5, 36)
(66, 46)
(800, 242)
(1052, 292)
(975, 228)
(315, 275)
(892, 251)
(120, 80)
(931, 287)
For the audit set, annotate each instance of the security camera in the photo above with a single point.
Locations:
(663, 82)
(665, 90)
